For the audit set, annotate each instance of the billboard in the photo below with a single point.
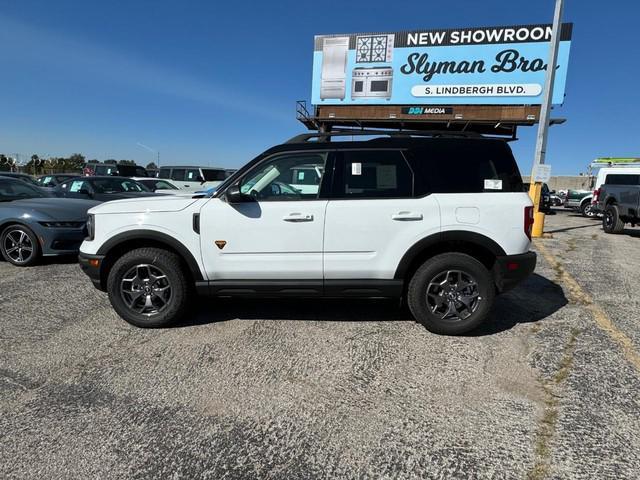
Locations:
(487, 66)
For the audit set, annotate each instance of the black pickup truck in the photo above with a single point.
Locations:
(619, 199)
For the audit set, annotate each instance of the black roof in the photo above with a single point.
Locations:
(302, 142)
(15, 174)
(97, 177)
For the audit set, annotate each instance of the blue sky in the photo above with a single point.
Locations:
(216, 82)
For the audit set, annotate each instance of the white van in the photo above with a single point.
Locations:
(194, 178)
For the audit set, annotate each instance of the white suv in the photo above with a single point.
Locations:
(194, 178)
(442, 222)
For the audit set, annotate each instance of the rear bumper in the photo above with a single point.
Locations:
(91, 265)
(510, 270)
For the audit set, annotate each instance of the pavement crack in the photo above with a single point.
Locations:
(549, 419)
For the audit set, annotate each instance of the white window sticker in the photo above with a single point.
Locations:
(490, 184)
(190, 175)
(356, 168)
(76, 186)
(300, 176)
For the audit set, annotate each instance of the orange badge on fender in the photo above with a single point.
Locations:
(220, 244)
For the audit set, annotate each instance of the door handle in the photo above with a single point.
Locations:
(298, 217)
(406, 216)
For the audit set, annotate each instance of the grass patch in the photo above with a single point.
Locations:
(549, 419)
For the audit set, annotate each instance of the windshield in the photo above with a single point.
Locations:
(17, 189)
(158, 185)
(117, 185)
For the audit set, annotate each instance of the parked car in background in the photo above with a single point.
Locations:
(545, 197)
(158, 185)
(556, 199)
(601, 179)
(194, 178)
(100, 169)
(53, 180)
(619, 200)
(20, 176)
(579, 200)
(33, 225)
(102, 189)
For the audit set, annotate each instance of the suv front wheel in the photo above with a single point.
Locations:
(148, 287)
(451, 293)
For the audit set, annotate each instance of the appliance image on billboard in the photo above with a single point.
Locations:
(486, 66)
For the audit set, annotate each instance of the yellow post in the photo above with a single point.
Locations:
(535, 192)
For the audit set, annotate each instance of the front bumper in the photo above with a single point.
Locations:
(510, 270)
(91, 265)
(59, 241)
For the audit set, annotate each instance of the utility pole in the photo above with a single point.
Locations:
(535, 188)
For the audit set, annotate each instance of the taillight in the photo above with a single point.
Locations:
(596, 193)
(528, 221)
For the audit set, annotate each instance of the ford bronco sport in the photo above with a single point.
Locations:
(440, 220)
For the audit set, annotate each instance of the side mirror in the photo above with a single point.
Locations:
(201, 179)
(234, 195)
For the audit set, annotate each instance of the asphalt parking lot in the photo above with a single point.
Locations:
(310, 389)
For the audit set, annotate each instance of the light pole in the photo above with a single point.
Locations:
(535, 188)
(157, 152)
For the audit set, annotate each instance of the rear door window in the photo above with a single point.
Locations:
(164, 173)
(214, 174)
(372, 174)
(178, 174)
(451, 165)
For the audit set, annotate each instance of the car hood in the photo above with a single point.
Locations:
(69, 209)
(158, 203)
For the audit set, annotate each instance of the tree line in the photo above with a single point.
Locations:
(71, 164)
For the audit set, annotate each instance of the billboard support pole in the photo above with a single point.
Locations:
(535, 189)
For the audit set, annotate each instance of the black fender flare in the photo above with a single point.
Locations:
(444, 237)
(159, 237)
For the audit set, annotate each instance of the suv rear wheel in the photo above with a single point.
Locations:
(451, 293)
(148, 287)
(611, 222)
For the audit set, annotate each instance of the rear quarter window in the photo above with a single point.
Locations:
(465, 166)
(622, 179)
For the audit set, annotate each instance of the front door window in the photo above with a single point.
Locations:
(286, 177)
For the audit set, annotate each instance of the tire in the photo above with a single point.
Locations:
(19, 246)
(586, 209)
(440, 276)
(611, 222)
(149, 287)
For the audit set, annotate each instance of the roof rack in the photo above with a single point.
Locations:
(347, 132)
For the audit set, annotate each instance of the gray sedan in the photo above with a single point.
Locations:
(33, 224)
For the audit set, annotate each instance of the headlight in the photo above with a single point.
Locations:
(91, 228)
(62, 224)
